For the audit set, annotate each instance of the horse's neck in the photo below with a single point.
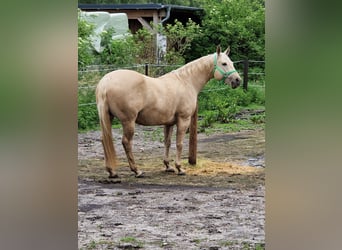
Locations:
(197, 73)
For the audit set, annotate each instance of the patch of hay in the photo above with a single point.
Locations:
(211, 168)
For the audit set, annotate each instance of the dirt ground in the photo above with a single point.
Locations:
(218, 204)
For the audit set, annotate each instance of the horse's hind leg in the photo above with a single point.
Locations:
(127, 140)
(182, 126)
(167, 143)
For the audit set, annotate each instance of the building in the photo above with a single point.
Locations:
(142, 15)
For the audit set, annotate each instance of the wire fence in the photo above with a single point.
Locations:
(252, 72)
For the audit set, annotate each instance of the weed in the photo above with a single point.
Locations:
(257, 119)
(132, 240)
(227, 243)
(248, 246)
(197, 241)
(91, 245)
(260, 246)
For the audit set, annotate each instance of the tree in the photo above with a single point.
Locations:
(237, 23)
(179, 38)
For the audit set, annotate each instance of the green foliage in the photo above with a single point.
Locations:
(145, 46)
(137, 48)
(85, 49)
(91, 245)
(87, 111)
(132, 240)
(179, 38)
(257, 119)
(239, 24)
(220, 103)
(118, 52)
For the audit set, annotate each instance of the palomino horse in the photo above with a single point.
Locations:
(167, 100)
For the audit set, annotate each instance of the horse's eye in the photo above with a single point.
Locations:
(224, 64)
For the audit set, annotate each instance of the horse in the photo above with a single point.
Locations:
(168, 100)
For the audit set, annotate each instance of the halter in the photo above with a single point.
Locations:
(224, 74)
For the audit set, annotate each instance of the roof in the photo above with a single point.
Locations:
(149, 6)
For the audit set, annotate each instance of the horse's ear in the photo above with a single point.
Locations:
(227, 51)
(218, 49)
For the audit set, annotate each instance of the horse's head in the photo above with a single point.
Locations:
(224, 69)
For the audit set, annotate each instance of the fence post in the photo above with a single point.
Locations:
(146, 69)
(245, 74)
(193, 137)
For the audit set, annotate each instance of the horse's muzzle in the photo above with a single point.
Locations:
(235, 82)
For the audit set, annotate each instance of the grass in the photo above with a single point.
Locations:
(234, 126)
(132, 240)
(227, 243)
(197, 241)
(242, 245)
(247, 118)
(259, 246)
(92, 245)
(103, 243)
(106, 244)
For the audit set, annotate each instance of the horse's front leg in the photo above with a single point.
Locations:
(127, 140)
(182, 126)
(167, 143)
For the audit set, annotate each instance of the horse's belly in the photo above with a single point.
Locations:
(154, 117)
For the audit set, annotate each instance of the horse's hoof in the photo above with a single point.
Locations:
(112, 173)
(181, 173)
(170, 170)
(112, 176)
(139, 174)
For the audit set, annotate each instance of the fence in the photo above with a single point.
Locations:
(88, 78)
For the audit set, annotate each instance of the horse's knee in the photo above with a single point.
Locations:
(179, 145)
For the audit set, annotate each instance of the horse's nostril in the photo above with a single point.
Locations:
(237, 80)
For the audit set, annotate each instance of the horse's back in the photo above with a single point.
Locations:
(123, 85)
(122, 77)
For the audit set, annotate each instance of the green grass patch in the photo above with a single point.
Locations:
(133, 241)
(102, 243)
(233, 126)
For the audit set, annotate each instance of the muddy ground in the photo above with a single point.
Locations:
(219, 204)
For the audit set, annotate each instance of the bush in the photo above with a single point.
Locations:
(87, 111)
(118, 52)
(85, 48)
(239, 24)
(220, 103)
